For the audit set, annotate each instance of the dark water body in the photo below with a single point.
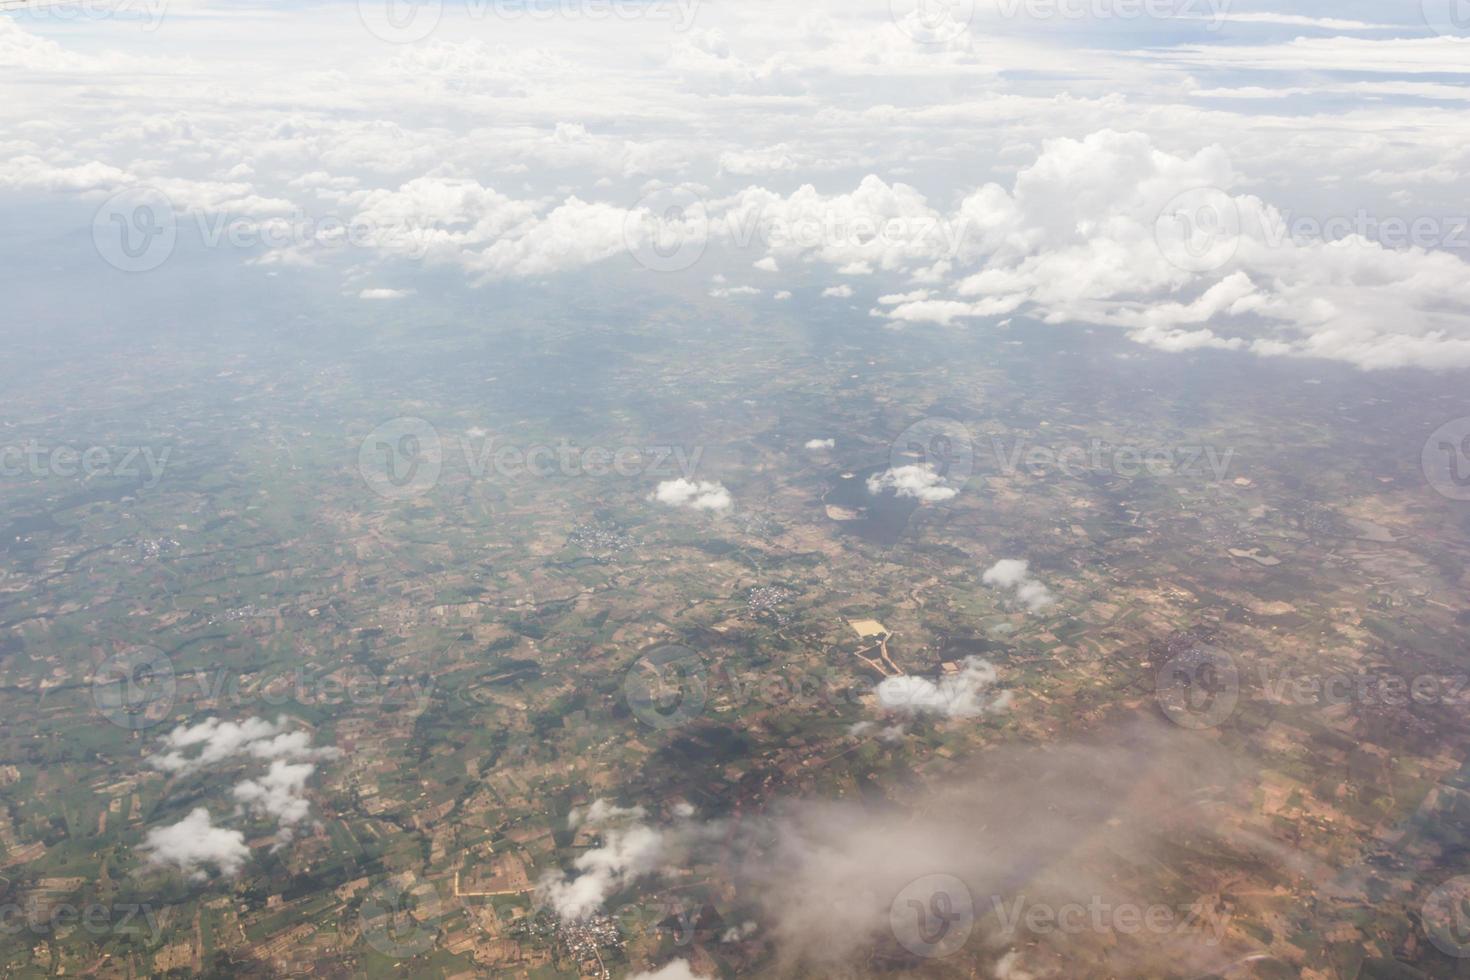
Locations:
(885, 516)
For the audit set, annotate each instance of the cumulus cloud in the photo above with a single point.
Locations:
(966, 694)
(838, 292)
(601, 812)
(625, 855)
(194, 843)
(693, 495)
(219, 741)
(918, 481)
(630, 848)
(889, 733)
(819, 444)
(727, 291)
(1085, 234)
(280, 794)
(675, 970)
(1015, 574)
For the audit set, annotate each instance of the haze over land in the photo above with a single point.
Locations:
(697, 489)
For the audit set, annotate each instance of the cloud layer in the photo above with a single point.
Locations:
(1053, 167)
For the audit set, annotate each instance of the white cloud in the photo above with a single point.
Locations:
(601, 812)
(838, 292)
(384, 293)
(1008, 194)
(675, 970)
(195, 842)
(1014, 574)
(966, 694)
(820, 444)
(693, 495)
(279, 794)
(625, 855)
(219, 741)
(918, 481)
